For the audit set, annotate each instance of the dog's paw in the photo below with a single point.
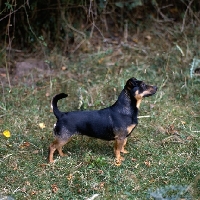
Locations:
(63, 155)
(124, 151)
(118, 163)
(50, 161)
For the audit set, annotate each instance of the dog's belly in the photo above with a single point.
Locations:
(98, 131)
(106, 132)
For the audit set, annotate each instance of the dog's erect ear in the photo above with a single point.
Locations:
(131, 83)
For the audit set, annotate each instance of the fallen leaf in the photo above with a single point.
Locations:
(79, 190)
(41, 125)
(135, 40)
(54, 188)
(100, 60)
(101, 171)
(189, 138)
(101, 185)
(152, 106)
(33, 192)
(24, 145)
(148, 37)
(47, 94)
(3, 75)
(171, 130)
(43, 165)
(6, 133)
(152, 180)
(166, 182)
(28, 183)
(64, 68)
(23, 190)
(147, 163)
(36, 152)
(69, 177)
(133, 159)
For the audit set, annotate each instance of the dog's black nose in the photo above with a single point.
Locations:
(155, 88)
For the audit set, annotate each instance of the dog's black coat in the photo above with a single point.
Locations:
(101, 124)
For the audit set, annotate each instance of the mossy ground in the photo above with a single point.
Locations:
(164, 148)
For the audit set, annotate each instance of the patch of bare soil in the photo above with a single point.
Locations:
(27, 72)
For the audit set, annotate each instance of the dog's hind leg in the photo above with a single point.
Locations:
(57, 145)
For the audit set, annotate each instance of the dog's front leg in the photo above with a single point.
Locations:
(123, 146)
(119, 145)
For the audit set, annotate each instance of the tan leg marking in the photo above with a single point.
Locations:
(117, 149)
(57, 145)
(123, 150)
(130, 128)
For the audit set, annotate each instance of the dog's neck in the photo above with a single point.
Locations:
(132, 100)
(136, 102)
(129, 105)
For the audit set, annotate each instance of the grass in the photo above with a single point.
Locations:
(163, 162)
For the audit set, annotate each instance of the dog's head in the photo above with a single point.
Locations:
(138, 89)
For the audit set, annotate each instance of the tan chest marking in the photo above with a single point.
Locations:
(130, 128)
(138, 103)
(138, 97)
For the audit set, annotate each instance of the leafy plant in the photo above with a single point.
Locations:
(171, 192)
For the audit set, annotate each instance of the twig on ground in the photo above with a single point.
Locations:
(144, 116)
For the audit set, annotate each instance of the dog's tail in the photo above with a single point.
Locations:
(54, 106)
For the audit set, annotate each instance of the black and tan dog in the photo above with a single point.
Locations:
(113, 123)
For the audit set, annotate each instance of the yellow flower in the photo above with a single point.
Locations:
(6, 133)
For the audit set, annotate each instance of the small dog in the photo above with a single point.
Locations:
(113, 123)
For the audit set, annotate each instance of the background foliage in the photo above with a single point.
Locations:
(67, 23)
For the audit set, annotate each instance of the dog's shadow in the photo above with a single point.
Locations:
(79, 145)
